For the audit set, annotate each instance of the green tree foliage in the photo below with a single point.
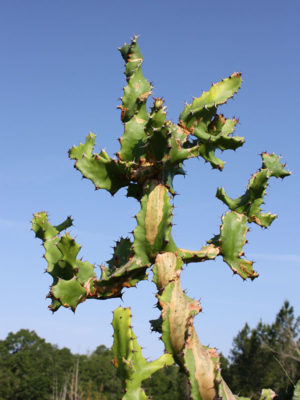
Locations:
(167, 383)
(29, 366)
(266, 356)
(32, 369)
(97, 376)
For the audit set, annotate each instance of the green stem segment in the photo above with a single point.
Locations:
(201, 364)
(131, 366)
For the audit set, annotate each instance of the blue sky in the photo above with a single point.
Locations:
(61, 77)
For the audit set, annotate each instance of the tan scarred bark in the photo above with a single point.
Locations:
(187, 349)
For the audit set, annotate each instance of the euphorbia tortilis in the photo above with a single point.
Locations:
(152, 152)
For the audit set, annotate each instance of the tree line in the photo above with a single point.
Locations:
(267, 356)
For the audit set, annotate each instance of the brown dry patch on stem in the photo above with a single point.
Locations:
(185, 129)
(209, 252)
(140, 120)
(222, 119)
(204, 366)
(154, 212)
(145, 96)
(123, 111)
(166, 269)
(132, 59)
(227, 392)
(88, 286)
(180, 317)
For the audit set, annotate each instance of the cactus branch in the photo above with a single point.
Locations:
(104, 172)
(131, 366)
(75, 280)
(249, 203)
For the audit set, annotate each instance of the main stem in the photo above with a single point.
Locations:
(200, 363)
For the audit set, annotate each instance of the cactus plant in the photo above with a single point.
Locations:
(152, 152)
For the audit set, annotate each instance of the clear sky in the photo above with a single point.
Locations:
(61, 77)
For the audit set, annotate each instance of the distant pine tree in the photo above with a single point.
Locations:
(267, 356)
